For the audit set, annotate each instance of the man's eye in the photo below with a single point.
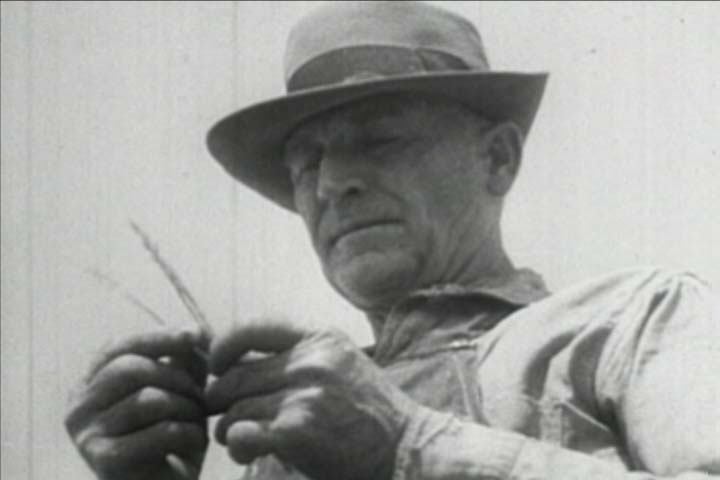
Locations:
(303, 164)
(383, 142)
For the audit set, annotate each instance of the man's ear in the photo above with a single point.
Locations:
(504, 153)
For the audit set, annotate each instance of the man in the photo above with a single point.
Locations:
(397, 146)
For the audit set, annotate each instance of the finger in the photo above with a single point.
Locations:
(143, 409)
(186, 470)
(264, 335)
(262, 408)
(254, 378)
(122, 377)
(248, 440)
(193, 363)
(148, 447)
(154, 344)
(129, 373)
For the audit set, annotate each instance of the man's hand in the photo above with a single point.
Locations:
(317, 403)
(139, 413)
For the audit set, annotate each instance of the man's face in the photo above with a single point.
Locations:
(392, 190)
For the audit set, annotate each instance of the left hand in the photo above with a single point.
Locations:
(318, 403)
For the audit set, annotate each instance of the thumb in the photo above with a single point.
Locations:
(273, 335)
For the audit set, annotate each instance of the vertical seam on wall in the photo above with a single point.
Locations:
(29, 240)
(233, 183)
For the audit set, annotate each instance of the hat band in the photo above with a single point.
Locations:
(362, 63)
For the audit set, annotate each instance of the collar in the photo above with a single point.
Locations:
(521, 288)
(444, 316)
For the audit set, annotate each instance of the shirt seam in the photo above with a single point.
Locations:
(469, 345)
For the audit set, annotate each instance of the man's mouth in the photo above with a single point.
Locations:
(356, 227)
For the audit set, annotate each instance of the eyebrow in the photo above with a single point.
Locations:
(373, 114)
(367, 116)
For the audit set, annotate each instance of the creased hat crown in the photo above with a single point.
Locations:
(349, 41)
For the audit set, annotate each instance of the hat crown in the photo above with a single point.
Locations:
(384, 38)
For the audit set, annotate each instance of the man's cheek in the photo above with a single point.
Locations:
(305, 197)
(308, 211)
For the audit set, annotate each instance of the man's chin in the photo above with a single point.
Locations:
(375, 278)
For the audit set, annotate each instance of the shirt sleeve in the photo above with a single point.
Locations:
(658, 376)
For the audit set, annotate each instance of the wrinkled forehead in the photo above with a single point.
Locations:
(376, 113)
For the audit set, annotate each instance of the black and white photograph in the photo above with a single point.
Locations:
(355, 240)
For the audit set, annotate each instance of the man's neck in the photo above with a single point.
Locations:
(474, 276)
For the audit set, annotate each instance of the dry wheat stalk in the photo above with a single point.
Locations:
(185, 296)
(114, 287)
(182, 291)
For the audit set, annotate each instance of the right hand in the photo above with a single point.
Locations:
(139, 412)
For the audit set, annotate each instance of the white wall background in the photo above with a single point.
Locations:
(104, 111)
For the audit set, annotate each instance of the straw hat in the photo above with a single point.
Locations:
(345, 51)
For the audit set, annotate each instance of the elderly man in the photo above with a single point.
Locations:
(397, 146)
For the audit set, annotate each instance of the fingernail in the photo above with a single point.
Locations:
(185, 469)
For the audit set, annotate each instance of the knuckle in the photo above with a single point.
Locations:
(312, 369)
(129, 363)
(313, 395)
(70, 421)
(103, 455)
(187, 432)
(309, 404)
(291, 421)
(76, 412)
(132, 368)
(174, 429)
(332, 335)
(322, 359)
(155, 396)
(86, 443)
(158, 401)
(74, 404)
(334, 343)
(155, 332)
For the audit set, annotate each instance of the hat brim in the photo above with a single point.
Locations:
(249, 142)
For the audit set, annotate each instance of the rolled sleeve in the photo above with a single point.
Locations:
(439, 446)
(443, 448)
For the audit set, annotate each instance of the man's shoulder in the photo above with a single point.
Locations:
(622, 296)
(614, 312)
(629, 283)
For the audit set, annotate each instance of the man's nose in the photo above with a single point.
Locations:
(340, 177)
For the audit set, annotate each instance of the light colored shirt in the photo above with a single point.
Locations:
(615, 378)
